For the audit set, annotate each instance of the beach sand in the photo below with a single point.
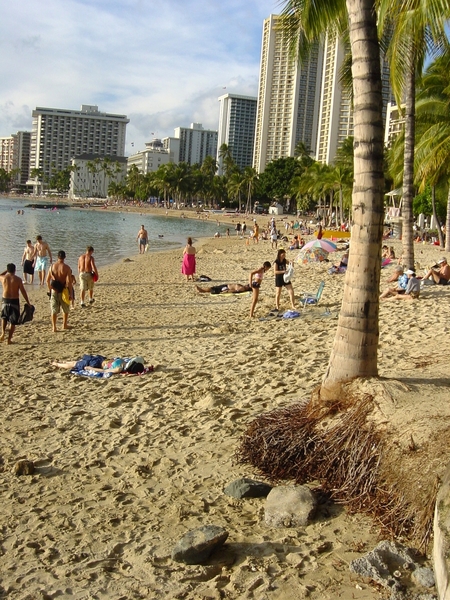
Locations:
(126, 466)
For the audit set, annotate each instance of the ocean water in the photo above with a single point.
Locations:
(112, 234)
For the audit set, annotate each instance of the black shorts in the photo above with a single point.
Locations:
(218, 289)
(28, 267)
(10, 310)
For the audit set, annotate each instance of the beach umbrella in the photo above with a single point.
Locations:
(323, 244)
(311, 255)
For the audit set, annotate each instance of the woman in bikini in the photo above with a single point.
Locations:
(255, 280)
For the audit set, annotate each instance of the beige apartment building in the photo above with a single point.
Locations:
(288, 98)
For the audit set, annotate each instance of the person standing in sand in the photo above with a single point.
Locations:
(12, 285)
(142, 238)
(59, 282)
(28, 262)
(280, 268)
(43, 257)
(87, 270)
(255, 283)
(188, 265)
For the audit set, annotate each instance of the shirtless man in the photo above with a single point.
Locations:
(43, 256)
(440, 276)
(60, 275)
(28, 262)
(86, 270)
(226, 288)
(12, 285)
(142, 237)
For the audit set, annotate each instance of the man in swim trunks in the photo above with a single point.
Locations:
(86, 270)
(43, 257)
(59, 277)
(226, 288)
(28, 262)
(142, 238)
(12, 285)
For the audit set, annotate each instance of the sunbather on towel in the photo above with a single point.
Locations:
(90, 362)
(226, 288)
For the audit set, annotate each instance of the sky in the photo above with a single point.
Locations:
(162, 63)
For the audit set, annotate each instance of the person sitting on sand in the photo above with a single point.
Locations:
(402, 281)
(412, 290)
(295, 244)
(226, 288)
(440, 276)
(255, 283)
(385, 252)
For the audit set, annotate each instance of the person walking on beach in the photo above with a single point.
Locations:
(28, 262)
(142, 238)
(188, 264)
(255, 279)
(59, 282)
(12, 286)
(87, 270)
(43, 257)
(238, 228)
(280, 268)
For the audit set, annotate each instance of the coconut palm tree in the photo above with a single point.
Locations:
(250, 181)
(433, 139)
(235, 186)
(415, 28)
(355, 347)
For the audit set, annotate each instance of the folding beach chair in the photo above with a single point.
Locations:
(310, 299)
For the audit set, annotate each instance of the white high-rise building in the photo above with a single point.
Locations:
(58, 135)
(21, 155)
(336, 112)
(150, 159)
(237, 119)
(196, 143)
(6, 153)
(288, 98)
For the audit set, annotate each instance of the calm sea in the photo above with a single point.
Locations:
(113, 235)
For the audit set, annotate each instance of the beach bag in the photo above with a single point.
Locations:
(288, 275)
(204, 278)
(27, 314)
(56, 285)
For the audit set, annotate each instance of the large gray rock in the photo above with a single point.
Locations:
(424, 576)
(385, 564)
(195, 547)
(247, 488)
(290, 506)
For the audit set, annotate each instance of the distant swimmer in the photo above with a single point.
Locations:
(142, 238)
(43, 257)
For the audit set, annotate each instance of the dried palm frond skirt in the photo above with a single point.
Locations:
(349, 456)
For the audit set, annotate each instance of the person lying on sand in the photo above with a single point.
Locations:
(90, 362)
(226, 288)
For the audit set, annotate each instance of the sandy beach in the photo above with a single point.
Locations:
(125, 466)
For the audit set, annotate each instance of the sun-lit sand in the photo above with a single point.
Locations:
(126, 466)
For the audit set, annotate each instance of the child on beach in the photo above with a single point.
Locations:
(255, 280)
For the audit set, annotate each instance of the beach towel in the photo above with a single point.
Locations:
(291, 314)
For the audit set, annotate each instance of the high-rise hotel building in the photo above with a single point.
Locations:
(336, 111)
(288, 98)
(58, 135)
(237, 118)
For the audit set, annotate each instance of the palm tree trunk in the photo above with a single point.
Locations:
(408, 165)
(435, 216)
(355, 346)
(447, 223)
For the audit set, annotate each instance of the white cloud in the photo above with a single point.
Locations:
(162, 63)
